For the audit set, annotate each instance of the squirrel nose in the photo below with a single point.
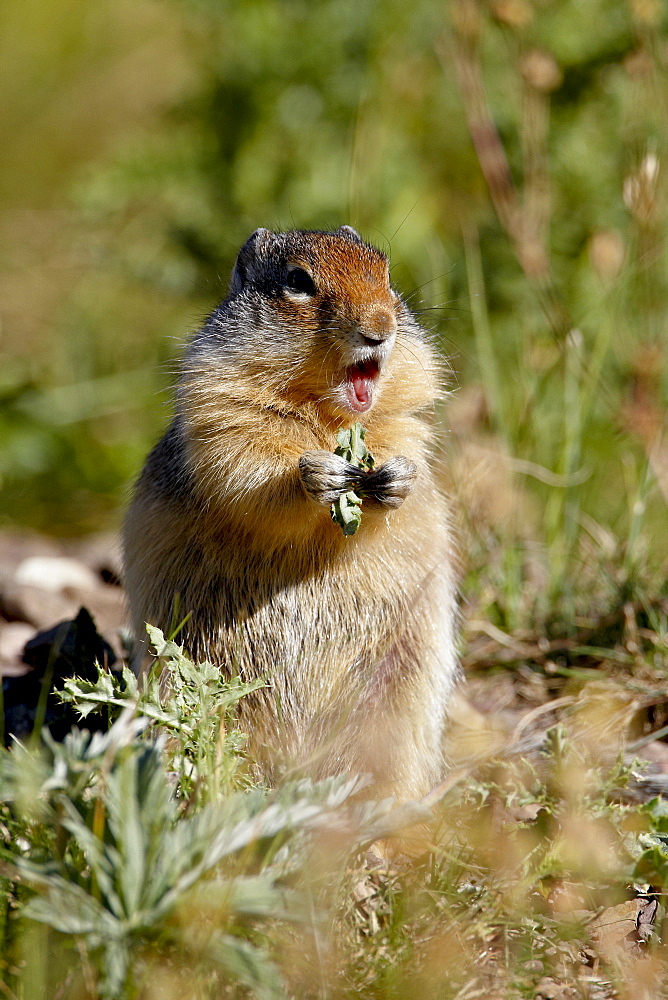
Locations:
(379, 326)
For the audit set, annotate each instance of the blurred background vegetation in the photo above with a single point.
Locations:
(508, 153)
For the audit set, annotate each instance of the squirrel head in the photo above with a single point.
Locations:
(311, 316)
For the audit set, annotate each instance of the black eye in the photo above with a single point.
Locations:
(299, 280)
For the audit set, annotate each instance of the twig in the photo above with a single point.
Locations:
(549, 706)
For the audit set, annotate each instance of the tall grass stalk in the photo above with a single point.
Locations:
(486, 353)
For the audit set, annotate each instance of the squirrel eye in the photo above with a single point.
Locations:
(299, 280)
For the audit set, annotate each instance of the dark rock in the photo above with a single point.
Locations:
(69, 649)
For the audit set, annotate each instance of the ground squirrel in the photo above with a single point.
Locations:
(230, 519)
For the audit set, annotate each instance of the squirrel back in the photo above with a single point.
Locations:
(230, 522)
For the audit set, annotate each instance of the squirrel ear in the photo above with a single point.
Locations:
(350, 234)
(248, 260)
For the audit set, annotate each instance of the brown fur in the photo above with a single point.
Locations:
(354, 635)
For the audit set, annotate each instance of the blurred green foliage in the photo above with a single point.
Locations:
(508, 153)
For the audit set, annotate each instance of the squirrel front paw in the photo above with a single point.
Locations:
(390, 483)
(327, 476)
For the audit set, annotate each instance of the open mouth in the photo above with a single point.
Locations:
(359, 384)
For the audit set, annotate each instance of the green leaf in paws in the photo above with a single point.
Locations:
(351, 446)
(346, 510)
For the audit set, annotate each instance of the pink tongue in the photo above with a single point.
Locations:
(361, 388)
(361, 378)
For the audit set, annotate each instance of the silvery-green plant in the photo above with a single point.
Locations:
(123, 832)
(192, 704)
